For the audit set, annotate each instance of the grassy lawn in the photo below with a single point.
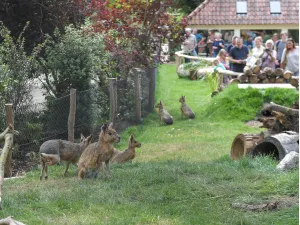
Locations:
(182, 174)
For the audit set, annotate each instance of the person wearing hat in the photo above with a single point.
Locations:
(189, 44)
(279, 47)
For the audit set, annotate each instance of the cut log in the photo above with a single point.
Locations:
(268, 71)
(247, 70)
(287, 75)
(272, 80)
(243, 144)
(256, 69)
(280, 80)
(277, 145)
(278, 72)
(253, 79)
(242, 78)
(294, 81)
(265, 81)
(262, 76)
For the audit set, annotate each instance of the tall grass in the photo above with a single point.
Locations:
(182, 174)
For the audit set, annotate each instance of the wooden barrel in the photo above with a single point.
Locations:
(277, 145)
(243, 144)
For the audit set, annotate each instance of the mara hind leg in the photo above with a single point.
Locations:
(43, 169)
(67, 167)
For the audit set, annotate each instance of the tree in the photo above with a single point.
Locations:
(133, 29)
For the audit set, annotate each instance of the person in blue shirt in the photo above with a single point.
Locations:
(218, 44)
(198, 39)
(238, 55)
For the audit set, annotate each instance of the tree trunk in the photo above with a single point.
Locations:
(4, 156)
(277, 145)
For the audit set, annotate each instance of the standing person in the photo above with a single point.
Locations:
(275, 38)
(198, 39)
(290, 57)
(233, 44)
(279, 47)
(218, 44)
(209, 41)
(189, 44)
(258, 51)
(238, 55)
(269, 56)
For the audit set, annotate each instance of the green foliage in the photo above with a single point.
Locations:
(244, 104)
(194, 65)
(212, 80)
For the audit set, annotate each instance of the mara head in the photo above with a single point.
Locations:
(134, 143)
(85, 141)
(108, 134)
(159, 105)
(182, 99)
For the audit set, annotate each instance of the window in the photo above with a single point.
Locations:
(241, 7)
(275, 7)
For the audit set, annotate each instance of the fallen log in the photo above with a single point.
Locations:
(243, 144)
(277, 145)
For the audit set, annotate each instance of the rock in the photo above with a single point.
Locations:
(290, 161)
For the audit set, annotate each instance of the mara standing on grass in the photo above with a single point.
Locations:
(290, 57)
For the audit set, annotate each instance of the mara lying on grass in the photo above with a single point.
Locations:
(163, 114)
(54, 151)
(96, 153)
(185, 109)
(129, 153)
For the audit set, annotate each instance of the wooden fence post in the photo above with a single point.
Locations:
(113, 100)
(138, 102)
(152, 83)
(9, 121)
(72, 114)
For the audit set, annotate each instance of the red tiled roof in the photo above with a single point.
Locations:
(223, 12)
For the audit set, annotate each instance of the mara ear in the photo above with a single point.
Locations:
(131, 137)
(111, 125)
(104, 127)
(89, 138)
(81, 137)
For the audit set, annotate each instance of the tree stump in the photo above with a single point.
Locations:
(277, 145)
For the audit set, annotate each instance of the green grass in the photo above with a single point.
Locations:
(182, 174)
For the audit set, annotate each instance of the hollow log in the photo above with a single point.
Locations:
(253, 79)
(294, 81)
(277, 145)
(243, 144)
(242, 78)
(287, 75)
(256, 69)
(247, 70)
(278, 72)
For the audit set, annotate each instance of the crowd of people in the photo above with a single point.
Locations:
(274, 53)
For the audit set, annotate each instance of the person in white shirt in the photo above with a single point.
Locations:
(258, 51)
(290, 57)
(189, 44)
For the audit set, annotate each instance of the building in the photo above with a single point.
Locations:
(247, 17)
